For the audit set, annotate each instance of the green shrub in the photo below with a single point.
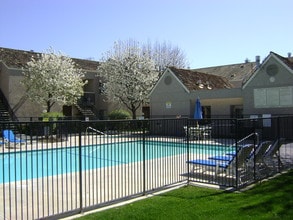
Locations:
(51, 128)
(51, 116)
(119, 114)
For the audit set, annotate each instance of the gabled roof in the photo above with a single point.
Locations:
(19, 58)
(194, 80)
(286, 62)
(235, 73)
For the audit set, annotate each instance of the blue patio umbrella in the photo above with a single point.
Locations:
(197, 110)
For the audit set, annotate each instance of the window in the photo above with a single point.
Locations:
(206, 111)
(236, 111)
(273, 97)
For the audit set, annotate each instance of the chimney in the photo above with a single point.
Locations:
(289, 55)
(257, 61)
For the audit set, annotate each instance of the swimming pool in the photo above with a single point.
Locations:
(26, 165)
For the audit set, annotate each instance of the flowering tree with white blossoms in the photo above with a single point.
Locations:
(53, 78)
(129, 76)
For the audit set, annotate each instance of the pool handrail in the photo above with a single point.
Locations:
(246, 137)
(95, 130)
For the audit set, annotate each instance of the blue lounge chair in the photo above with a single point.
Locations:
(254, 159)
(233, 152)
(255, 156)
(239, 161)
(9, 137)
(271, 153)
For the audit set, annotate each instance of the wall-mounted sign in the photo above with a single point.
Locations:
(168, 104)
(267, 121)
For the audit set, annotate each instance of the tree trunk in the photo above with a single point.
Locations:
(49, 103)
(133, 111)
(48, 106)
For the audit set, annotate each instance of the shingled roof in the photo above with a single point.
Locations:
(19, 58)
(194, 80)
(235, 73)
(286, 60)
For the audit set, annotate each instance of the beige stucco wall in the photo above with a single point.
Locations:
(221, 107)
(220, 100)
(170, 100)
(10, 82)
(22, 106)
(182, 102)
(283, 78)
(14, 92)
(4, 79)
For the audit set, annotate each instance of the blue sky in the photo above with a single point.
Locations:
(210, 32)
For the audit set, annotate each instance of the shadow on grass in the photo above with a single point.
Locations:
(273, 196)
(266, 200)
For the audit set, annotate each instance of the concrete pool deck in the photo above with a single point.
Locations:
(39, 142)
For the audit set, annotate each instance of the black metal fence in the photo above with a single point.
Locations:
(60, 168)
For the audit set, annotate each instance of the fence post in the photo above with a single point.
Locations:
(188, 151)
(143, 155)
(255, 143)
(236, 121)
(278, 138)
(80, 166)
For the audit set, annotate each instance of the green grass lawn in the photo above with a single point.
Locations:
(271, 199)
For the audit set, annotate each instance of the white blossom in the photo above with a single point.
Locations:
(53, 78)
(129, 76)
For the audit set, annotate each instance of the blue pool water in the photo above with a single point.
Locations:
(15, 166)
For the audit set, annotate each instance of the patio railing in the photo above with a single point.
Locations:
(66, 167)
